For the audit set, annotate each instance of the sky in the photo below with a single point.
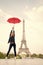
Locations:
(29, 10)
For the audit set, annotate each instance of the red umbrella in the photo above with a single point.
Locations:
(14, 20)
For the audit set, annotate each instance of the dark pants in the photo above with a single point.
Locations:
(14, 46)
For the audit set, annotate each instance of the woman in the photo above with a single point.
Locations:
(12, 43)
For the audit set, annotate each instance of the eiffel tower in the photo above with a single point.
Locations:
(23, 42)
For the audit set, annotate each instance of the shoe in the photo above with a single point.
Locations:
(5, 57)
(14, 57)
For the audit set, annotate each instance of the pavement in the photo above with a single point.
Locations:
(21, 61)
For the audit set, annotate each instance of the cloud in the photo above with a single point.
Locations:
(35, 17)
(3, 16)
(35, 14)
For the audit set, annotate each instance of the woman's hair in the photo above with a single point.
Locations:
(12, 34)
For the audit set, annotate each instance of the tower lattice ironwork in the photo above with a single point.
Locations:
(23, 42)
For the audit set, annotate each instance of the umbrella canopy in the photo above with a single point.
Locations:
(14, 20)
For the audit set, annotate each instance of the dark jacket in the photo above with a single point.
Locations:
(11, 38)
